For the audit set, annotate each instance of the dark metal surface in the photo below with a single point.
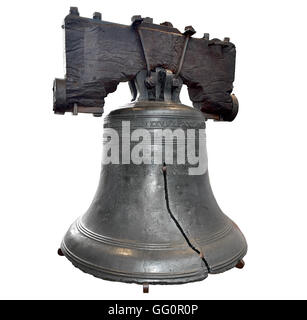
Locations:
(154, 223)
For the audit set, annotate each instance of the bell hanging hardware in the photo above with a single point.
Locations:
(154, 218)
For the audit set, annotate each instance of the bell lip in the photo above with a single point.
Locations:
(119, 277)
(139, 278)
(227, 265)
(87, 268)
(78, 247)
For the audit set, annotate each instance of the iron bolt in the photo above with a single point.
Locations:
(74, 11)
(189, 31)
(176, 82)
(97, 15)
(150, 82)
(166, 24)
(136, 19)
(148, 20)
(206, 36)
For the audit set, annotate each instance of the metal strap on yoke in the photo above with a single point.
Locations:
(189, 31)
(186, 40)
(143, 48)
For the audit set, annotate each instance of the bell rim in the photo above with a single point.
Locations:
(151, 278)
(97, 272)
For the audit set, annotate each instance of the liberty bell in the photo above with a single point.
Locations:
(154, 218)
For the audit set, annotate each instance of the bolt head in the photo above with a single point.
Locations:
(150, 82)
(135, 19)
(74, 11)
(206, 36)
(176, 83)
(189, 31)
(97, 15)
(148, 20)
(166, 24)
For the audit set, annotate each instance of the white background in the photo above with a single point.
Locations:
(50, 164)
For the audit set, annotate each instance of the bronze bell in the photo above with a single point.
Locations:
(154, 218)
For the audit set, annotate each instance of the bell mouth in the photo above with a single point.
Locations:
(109, 260)
(115, 260)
